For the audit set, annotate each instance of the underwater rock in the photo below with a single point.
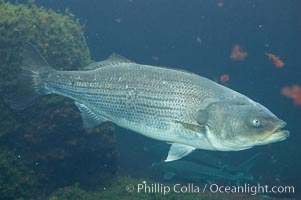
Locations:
(60, 150)
(17, 180)
(126, 188)
(59, 37)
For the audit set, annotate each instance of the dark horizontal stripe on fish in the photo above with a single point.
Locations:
(122, 94)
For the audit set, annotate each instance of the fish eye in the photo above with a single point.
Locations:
(256, 122)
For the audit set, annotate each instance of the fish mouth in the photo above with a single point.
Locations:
(277, 135)
(241, 143)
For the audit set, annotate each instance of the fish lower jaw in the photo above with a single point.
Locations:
(279, 135)
(276, 136)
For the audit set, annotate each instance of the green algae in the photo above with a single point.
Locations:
(58, 37)
(17, 179)
(117, 189)
(49, 133)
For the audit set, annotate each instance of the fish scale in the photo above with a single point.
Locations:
(175, 106)
(120, 93)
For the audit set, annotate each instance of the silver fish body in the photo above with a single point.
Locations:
(171, 105)
(146, 99)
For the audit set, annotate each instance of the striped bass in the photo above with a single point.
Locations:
(181, 108)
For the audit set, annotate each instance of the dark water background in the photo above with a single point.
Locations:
(165, 33)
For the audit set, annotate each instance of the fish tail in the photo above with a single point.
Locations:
(30, 83)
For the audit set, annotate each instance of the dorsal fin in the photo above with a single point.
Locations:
(112, 59)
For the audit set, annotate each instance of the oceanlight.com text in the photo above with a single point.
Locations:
(165, 189)
(251, 189)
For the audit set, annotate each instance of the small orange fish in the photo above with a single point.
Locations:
(224, 79)
(237, 54)
(277, 62)
(293, 92)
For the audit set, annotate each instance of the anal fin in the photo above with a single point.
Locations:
(178, 151)
(90, 119)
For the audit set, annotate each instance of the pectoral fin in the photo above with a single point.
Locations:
(90, 119)
(201, 120)
(178, 151)
(192, 127)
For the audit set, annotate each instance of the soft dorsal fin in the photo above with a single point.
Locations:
(112, 59)
(90, 119)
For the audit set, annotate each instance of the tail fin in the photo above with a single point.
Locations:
(30, 83)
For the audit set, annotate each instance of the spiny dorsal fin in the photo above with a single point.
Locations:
(113, 59)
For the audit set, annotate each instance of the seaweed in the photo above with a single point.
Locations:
(59, 38)
(17, 179)
(117, 189)
(48, 135)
